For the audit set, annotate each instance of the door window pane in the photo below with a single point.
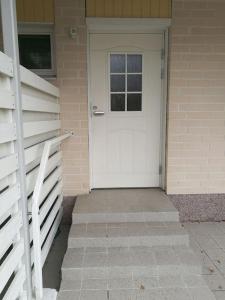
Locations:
(117, 63)
(117, 83)
(134, 83)
(125, 82)
(134, 102)
(134, 63)
(117, 102)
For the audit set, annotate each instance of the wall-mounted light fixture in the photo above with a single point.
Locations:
(73, 32)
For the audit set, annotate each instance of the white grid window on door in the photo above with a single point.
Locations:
(126, 82)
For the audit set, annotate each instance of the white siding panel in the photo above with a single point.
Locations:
(8, 232)
(49, 240)
(36, 139)
(50, 219)
(50, 182)
(7, 99)
(48, 185)
(10, 264)
(7, 132)
(35, 128)
(36, 82)
(40, 122)
(6, 66)
(47, 205)
(15, 288)
(9, 198)
(8, 165)
(34, 153)
(54, 161)
(35, 104)
(48, 243)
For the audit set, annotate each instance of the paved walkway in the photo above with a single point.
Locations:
(203, 238)
(129, 245)
(139, 235)
(208, 241)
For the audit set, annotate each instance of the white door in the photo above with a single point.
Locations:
(125, 93)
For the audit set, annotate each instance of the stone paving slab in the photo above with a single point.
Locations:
(136, 283)
(80, 218)
(176, 293)
(215, 255)
(207, 241)
(127, 234)
(78, 263)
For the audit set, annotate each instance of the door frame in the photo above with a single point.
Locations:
(133, 25)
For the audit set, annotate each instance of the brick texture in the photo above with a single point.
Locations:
(196, 110)
(72, 81)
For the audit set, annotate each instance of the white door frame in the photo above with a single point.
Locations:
(132, 25)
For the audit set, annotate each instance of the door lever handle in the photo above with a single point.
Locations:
(98, 113)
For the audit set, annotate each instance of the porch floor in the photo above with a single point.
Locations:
(133, 200)
(129, 245)
(124, 205)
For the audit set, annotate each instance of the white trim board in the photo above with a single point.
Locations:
(126, 25)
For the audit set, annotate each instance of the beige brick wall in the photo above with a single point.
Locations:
(196, 110)
(72, 81)
(196, 117)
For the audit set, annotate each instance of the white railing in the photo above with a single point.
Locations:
(43, 160)
(43, 179)
(29, 182)
(12, 268)
(38, 233)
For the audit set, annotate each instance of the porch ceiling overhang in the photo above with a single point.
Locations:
(132, 25)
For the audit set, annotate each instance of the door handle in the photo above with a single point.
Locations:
(98, 113)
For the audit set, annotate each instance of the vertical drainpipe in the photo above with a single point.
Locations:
(10, 39)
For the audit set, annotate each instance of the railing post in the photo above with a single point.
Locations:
(10, 39)
(38, 280)
(36, 223)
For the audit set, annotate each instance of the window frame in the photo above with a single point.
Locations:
(130, 112)
(41, 29)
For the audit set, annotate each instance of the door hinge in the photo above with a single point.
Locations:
(160, 170)
(162, 73)
(162, 54)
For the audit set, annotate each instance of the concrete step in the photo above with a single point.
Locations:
(134, 205)
(80, 218)
(127, 234)
(133, 262)
(165, 293)
(138, 283)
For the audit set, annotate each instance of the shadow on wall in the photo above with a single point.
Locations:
(52, 267)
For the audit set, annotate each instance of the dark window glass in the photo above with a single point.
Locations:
(134, 63)
(117, 63)
(134, 102)
(117, 102)
(134, 83)
(117, 83)
(35, 51)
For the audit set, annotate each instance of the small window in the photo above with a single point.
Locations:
(126, 82)
(36, 49)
